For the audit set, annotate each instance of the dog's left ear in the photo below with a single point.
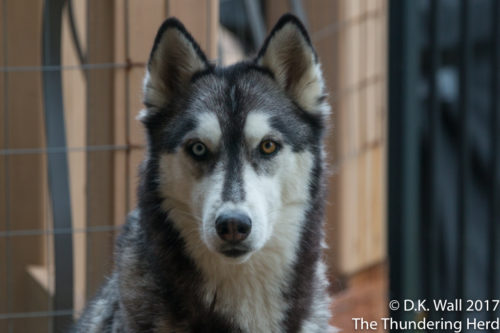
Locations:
(290, 56)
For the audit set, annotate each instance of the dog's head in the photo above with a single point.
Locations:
(236, 148)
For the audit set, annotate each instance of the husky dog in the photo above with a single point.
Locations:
(228, 230)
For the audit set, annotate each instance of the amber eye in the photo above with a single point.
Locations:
(268, 147)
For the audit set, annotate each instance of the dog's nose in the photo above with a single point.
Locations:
(233, 227)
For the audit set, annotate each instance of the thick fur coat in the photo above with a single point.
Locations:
(228, 232)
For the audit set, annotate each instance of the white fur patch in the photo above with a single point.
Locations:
(208, 130)
(320, 311)
(257, 127)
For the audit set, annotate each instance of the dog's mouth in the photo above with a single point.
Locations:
(234, 251)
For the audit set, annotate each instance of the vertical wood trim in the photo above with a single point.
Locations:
(100, 131)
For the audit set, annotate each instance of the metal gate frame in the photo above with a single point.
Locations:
(415, 248)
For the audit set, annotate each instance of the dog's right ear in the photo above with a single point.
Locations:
(173, 61)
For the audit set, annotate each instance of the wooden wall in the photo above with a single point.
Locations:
(23, 179)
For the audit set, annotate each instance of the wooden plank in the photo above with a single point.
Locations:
(3, 78)
(372, 122)
(382, 35)
(353, 136)
(326, 47)
(362, 232)
(351, 250)
(363, 124)
(372, 47)
(100, 167)
(379, 203)
(338, 89)
(382, 23)
(27, 294)
(24, 325)
(80, 271)
(213, 29)
(367, 231)
(144, 19)
(372, 6)
(68, 48)
(319, 14)
(120, 114)
(201, 23)
(343, 54)
(135, 78)
(349, 221)
(75, 106)
(274, 9)
(383, 108)
(353, 9)
(341, 128)
(363, 49)
(361, 185)
(355, 55)
(26, 173)
(3, 279)
(3, 179)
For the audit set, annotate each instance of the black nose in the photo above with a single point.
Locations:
(233, 227)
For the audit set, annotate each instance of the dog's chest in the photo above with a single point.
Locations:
(246, 310)
(252, 299)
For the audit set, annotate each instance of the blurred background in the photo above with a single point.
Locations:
(414, 144)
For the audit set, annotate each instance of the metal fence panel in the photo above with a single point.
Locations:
(443, 158)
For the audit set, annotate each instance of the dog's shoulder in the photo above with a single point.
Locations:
(100, 315)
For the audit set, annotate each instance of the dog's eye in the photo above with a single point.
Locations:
(268, 147)
(198, 150)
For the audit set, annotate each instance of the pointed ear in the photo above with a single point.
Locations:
(290, 56)
(173, 61)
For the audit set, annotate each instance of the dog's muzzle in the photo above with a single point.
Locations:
(233, 228)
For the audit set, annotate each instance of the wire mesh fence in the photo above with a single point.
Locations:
(46, 282)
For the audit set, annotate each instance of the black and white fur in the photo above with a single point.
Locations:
(173, 272)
